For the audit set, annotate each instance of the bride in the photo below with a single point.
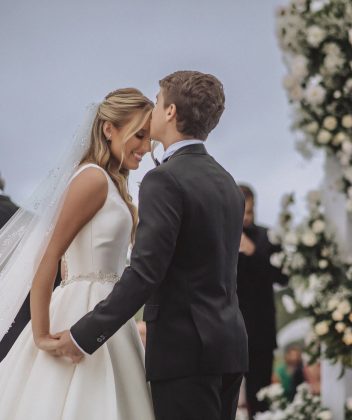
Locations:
(89, 227)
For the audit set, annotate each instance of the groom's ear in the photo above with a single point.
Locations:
(171, 112)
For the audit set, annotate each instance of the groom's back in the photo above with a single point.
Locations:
(194, 316)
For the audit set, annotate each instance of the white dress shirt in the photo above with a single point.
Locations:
(178, 145)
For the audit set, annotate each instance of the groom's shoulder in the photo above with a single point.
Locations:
(159, 175)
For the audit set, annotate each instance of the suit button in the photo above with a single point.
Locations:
(99, 340)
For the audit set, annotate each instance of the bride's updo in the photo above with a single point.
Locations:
(123, 108)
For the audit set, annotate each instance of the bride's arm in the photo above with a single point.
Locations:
(85, 196)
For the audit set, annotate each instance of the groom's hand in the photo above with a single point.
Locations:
(66, 347)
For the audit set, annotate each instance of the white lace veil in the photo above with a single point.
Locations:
(23, 240)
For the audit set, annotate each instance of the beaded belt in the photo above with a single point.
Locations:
(99, 277)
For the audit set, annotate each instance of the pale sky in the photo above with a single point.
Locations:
(56, 57)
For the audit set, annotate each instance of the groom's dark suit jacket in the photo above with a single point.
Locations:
(183, 265)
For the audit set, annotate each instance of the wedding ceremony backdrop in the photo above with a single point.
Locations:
(286, 66)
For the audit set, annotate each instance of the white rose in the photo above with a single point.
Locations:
(315, 94)
(323, 264)
(322, 328)
(347, 147)
(348, 86)
(337, 94)
(339, 138)
(349, 403)
(312, 127)
(330, 123)
(298, 261)
(344, 307)
(347, 337)
(315, 35)
(324, 415)
(347, 173)
(299, 67)
(318, 226)
(344, 158)
(296, 93)
(277, 259)
(317, 5)
(309, 238)
(347, 121)
(289, 304)
(307, 298)
(291, 238)
(337, 315)
(301, 5)
(340, 327)
(333, 62)
(324, 137)
(274, 237)
(333, 303)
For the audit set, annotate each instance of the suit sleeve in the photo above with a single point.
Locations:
(160, 215)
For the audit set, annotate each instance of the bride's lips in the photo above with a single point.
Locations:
(138, 156)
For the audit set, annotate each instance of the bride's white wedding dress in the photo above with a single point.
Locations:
(108, 385)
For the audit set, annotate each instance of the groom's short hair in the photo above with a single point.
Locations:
(199, 100)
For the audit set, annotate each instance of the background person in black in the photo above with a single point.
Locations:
(255, 279)
(7, 210)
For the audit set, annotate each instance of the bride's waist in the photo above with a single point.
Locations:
(98, 276)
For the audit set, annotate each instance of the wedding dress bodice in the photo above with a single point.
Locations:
(99, 250)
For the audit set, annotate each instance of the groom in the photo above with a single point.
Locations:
(183, 265)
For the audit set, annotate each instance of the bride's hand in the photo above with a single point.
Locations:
(48, 343)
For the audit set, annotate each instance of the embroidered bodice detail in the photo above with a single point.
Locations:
(98, 253)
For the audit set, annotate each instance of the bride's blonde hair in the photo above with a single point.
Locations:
(123, 108)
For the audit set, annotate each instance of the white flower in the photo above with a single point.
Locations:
(337, 315)
(309, 238)
(274, 237)
(347, 121)
(299, 67)
(301, 5)
(348, 173)
(330, 123)
(350, 36)
(339, 138)
(307, 298)
(333, 303)
(312, 127)
(318, 226)
(344, 307)
(289, 82)
(277, 259)
(317, 5)
(298, 261)
(322, 328)
(324, 137)
(347, 147)
(347, 337)
(325, 415)
(315, 35)
(349, 403)
(291, 238)
(289, 304)
(340, 327)
(323, 264)
(267, 415)
(315, 94)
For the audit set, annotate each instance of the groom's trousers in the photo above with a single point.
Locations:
(197, 397)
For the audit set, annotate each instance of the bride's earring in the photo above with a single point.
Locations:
(108, 139)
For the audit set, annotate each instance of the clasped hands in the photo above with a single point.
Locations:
(60, 345)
